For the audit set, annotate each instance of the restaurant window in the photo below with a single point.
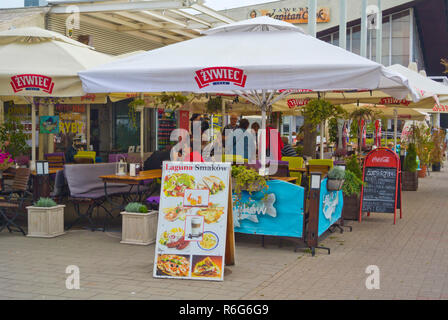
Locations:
(126, 131)
(72, 125)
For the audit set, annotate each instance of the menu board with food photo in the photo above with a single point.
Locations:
(192, 225)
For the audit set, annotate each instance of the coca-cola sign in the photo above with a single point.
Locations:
(220, 76)
(381, 159)
(32, 82)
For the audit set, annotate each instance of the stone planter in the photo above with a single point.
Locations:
(409, 181)
(45, 222)
(334, 184)
(351, 208)
(139, 228)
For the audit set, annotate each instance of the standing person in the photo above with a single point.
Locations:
(277, 144)
(241, 138)
(255, 127)
(287, 150)
(229, 130)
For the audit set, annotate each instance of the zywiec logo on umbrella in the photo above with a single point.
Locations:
(391, 100)
(32, 82)
(220, 76)
(293, 103)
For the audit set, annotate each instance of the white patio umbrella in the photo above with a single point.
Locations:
(39, 63)
(253, 58)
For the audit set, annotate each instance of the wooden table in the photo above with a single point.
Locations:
(138, 181)
(286, 179)
(302, 170)
(50, 171)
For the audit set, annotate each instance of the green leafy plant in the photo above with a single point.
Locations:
(133, 106)
(423, 143)
(352, 184)
(352, 165)
(357, 116)
(299, 151)
(336, 173)
(247, 179)
(214, 104)
(45, 203)
(12, 137)
(171, 101)
(136, 207)
(318, 110)
(410, 161)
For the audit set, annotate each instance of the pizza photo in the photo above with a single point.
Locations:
(207, 266)
(173, 265)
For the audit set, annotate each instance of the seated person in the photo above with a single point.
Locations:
(287, 150)
(155, 161)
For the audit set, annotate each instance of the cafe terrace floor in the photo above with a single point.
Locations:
(412, 257)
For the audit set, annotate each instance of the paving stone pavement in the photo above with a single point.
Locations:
(412, 257)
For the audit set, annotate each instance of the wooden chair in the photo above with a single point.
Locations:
(85, 154)
(12, 201)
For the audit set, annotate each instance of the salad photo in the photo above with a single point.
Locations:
(175, 184)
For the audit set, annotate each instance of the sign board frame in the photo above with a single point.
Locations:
(384, 158)
(194, 242)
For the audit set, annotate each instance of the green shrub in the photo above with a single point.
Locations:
(352, 165)
(136, 207)
(45, 203)
(336, 173)
(352, 184)
(410, 161)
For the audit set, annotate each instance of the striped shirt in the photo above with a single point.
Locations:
(288, 151)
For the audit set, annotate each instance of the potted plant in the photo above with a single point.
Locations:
(421, 134)
(139, 226)
(247, 179)
(5, 161)
(45, 219)
(351, 190)
(438, 139)
(335, 179)
(409, 175)
(12, 137)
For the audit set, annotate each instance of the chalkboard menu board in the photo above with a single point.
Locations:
(379, 190)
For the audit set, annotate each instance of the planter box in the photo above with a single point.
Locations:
(436, 167)
(139, 228)
(409, 181)
(334, 185)
(350, 211)
(45, 222)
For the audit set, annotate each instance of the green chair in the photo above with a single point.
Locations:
(320, 165)
(233, 158)
(295, 163)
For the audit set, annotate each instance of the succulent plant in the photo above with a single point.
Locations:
(45, 203)
(136, 207)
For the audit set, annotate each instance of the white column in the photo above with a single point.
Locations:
(33, 136)
(142, 133)
(343, 24)
(2, 112)
(262, 149)
(322, 135)
(312, 6)
(364, 28)
(379, 35)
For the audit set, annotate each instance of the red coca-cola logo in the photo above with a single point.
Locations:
(220, 76)
(32, 82)
(380, 159)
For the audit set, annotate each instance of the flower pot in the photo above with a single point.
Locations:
(45, 222)
(334, 184)
(409, 181)
(139, 228)
(350, 210)
(422, 171)
(436, 166)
